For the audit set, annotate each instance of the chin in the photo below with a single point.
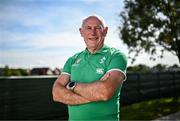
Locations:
(92, 44)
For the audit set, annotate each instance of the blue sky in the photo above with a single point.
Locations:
(44, 33)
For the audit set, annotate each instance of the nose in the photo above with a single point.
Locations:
(93, 31)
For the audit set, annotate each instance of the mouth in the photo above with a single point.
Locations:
(93, 38)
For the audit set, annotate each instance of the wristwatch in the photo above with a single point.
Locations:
(71, 85)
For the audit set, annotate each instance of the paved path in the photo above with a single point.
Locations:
(171, 117)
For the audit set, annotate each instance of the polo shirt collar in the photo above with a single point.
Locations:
(102, 50)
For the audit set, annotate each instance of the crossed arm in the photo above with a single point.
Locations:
(100, 90)
(63, 95)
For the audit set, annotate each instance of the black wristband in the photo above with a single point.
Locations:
(71, 85)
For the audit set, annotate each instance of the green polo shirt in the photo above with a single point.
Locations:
(85, 67)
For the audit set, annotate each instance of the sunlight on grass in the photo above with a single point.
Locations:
(149, 110)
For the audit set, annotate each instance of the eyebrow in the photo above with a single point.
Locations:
(101, 26)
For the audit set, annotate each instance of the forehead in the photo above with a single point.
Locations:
(92, 21)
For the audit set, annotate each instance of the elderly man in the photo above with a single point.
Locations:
(91, 80)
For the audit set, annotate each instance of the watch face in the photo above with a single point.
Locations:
(71, 84)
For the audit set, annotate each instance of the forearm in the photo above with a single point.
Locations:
(63, 95)
(95, 91)
(100, 90)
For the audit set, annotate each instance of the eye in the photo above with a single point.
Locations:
(88, 28)
(98, 27)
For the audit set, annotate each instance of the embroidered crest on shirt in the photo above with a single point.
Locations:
(100, 71)
(102, 60)
(77, 62)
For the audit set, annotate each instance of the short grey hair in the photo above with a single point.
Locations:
(101, 19)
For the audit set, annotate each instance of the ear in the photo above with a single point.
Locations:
(105, 31)
(81, 32)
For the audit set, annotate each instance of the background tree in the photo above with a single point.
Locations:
(159, 67)
(139, 68)
(151, 26)
(7, 71)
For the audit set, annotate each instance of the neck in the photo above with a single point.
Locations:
(93, 50)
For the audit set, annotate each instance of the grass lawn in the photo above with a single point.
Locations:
(149, 110)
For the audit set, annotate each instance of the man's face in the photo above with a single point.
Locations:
(93, 33)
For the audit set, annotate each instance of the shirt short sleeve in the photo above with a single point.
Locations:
(67, 66)
(118, 62)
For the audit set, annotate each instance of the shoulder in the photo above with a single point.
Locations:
(72, 59)
(117, 60)
(115, 52)
(76, 55)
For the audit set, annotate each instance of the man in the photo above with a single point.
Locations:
(91, 80)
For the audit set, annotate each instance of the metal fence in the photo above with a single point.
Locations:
(31, 98)
(146, 86)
